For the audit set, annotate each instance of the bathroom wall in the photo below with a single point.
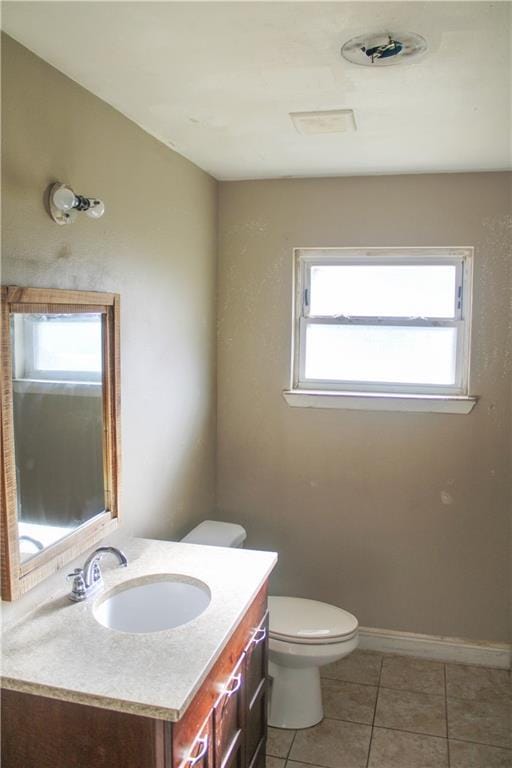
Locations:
(401, 518)
(155, 245)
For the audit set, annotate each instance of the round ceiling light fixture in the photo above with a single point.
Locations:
(382, 49)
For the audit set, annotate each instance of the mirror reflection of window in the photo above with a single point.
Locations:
(58, 425)
(62, 347)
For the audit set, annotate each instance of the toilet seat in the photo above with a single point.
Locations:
(309, 622)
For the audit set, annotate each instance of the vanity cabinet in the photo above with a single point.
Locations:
(231, 705)
(224, 726)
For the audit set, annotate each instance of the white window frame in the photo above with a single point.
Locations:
(305, 258)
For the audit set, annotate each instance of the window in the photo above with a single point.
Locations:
(56, 347)
(389, 321)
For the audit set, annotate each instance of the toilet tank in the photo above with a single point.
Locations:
(216, 534)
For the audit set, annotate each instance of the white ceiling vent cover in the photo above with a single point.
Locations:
(330, 121)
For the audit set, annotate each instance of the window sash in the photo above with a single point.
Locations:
(374, 385)
(460, 258)
(308, 263)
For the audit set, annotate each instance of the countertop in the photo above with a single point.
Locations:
(61, 651)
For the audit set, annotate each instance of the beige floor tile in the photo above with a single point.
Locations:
(411, 674)
(407, 711)
(279, 742)
(478, 683)
(349, 701)
(333, 744)
(392, 749)
(463, 754)
(358, 667)
(487, 722)
(275, 762)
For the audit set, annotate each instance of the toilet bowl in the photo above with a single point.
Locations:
(304, 635)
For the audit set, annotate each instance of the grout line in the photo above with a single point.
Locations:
(495, 700)
(374, 712)
(401, 690)
(413, 690)
(353, 682)
(482, 744)
(408, 690)
(413, 733)
(380, 671)
(290, 749)
(317, 765)
(446, 710)
(453, 738)
(344, 720)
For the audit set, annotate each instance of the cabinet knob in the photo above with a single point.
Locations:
(202, 743)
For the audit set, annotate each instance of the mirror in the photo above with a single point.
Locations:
(60, 353)
(58, 425)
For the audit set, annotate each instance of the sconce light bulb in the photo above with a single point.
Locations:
(64, 198)
(64, 205)
(96, 210)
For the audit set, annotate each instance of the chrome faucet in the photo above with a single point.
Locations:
(88, 580)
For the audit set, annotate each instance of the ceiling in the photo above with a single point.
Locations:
(217, 80)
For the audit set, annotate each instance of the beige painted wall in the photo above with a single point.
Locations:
(156, 246)
(352, 499)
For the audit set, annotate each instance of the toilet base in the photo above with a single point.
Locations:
(295, 697)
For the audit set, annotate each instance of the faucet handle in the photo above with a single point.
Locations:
(78, 589)
(96, 571)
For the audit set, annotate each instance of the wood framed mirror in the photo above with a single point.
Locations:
(60, 438)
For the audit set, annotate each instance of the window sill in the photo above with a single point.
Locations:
(380, 401)
(47, 387)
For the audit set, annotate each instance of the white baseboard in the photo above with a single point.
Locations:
(436, 647)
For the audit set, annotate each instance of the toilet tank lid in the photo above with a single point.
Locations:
(216, 534)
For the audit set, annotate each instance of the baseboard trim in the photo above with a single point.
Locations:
(436, 647)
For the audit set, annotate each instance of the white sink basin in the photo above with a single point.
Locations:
(164, 602)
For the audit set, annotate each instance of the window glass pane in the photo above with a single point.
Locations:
(409, 290)
(68, 344)
(386, 354)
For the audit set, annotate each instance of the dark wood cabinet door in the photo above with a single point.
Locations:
(38, 732)
(255, 667)
(202, 750)
(228, 721)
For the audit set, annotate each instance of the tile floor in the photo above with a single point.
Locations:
(384, 711)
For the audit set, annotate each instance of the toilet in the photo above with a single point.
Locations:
(304, 635)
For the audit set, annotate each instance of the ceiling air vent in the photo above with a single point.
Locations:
(384, 48)
(329, 121)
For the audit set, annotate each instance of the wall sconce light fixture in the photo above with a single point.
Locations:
(64, 204)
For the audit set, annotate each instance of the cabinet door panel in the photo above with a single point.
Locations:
(234, 757)
(256, 654)
(201, 753)
(258, 760)
(228, 718)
